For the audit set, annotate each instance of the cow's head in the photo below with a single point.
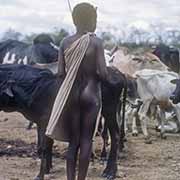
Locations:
(129, 62)
(147, 60)
(168, 55)
(175, 97)
(45, 49)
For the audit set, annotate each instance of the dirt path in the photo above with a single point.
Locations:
(158, 161)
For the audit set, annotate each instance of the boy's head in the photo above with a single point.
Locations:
(85, 17)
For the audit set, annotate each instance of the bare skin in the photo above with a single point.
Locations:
(84, 103)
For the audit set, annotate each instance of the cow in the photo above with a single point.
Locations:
(154, 87)
(169, 56)
(129, 62)
(32, 91)
(175, 96)
(41, 51)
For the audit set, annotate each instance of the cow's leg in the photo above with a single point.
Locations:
(158, 119)
(134, 127)
(105, 143)
(121, 132)
(162, 132)
(155, 116)
(126, 125)
(144, 120)
(42, 152)
(134, 122)
(50, 143)
(177, 111)
(45, 143)
(111, 167)
(128, 118)
(39, 140)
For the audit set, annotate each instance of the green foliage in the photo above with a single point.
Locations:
(108, 40)
(59, 35)
(29, 38)
(131, 38)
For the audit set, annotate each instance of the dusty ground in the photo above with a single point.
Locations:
(157, 161)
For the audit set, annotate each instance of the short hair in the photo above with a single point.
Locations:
(84, 14)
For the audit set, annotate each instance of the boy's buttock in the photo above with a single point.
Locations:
(91, 95)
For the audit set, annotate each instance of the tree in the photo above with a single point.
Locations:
(29, 38)
(108, 40)
(12, 34)
(173, 36)
(158, 30)
(59, 35)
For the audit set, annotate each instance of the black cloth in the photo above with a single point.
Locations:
(25, 82)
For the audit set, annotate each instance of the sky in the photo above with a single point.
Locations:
(44, 15)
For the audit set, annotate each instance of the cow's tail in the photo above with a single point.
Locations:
(124, 108)
(121, 115)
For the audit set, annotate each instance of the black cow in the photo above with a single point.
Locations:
(175, 97)
(32, 91)
(113, 106)
(41, 51)
(169, 56)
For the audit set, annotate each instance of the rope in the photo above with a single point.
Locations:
(69, 5)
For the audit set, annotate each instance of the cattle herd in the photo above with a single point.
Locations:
(144, 84)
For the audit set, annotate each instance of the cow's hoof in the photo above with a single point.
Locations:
(108, 176)
(103, 160)
(148, 140)
(157, 129)
(38, 178)
(47, 171)
(103, 157)
(109, 173)
(124, 139)
(134, 134)
(163, 136)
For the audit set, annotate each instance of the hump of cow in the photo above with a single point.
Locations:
(43, 39)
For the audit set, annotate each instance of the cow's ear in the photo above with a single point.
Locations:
(9, 92)
(174, 81)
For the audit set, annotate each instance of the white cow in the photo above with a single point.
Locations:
(154, 86)
(129, 62)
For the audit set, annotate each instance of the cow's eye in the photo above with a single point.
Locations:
(137, 59)
(153, 61)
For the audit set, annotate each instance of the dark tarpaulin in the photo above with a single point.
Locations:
(23, 82)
